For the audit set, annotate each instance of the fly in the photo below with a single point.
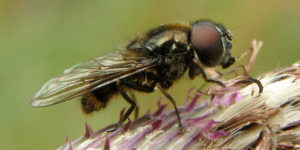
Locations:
(155, 59)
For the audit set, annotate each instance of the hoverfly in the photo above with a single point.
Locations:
(155, 59)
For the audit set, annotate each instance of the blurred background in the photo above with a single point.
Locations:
(40, 39)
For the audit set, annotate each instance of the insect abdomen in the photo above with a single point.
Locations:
(97, 99)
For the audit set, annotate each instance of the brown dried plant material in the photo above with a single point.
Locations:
(265, 141)
(254, 49)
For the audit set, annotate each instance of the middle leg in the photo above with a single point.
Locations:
(174, 104)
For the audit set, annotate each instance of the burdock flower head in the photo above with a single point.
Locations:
(238, 117)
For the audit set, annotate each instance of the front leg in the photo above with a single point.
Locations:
(204, 75)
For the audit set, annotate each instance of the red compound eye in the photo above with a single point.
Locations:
(207, 43)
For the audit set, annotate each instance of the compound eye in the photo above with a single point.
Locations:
(207, 43)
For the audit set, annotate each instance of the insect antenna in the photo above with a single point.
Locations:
(231, 34)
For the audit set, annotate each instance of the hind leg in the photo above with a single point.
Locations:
(131, 101)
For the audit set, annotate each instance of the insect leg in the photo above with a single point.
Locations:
(136, 111)
(174, 104)
(128, 112)
(138, 87)
(234, 70)
(131, 85)
(204, 75)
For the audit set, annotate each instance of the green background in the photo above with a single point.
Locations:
(39, 39)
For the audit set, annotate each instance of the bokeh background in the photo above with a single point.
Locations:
(39, 39)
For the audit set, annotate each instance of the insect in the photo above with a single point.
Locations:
(155, 59)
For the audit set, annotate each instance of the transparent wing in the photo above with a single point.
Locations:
(90, 75)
